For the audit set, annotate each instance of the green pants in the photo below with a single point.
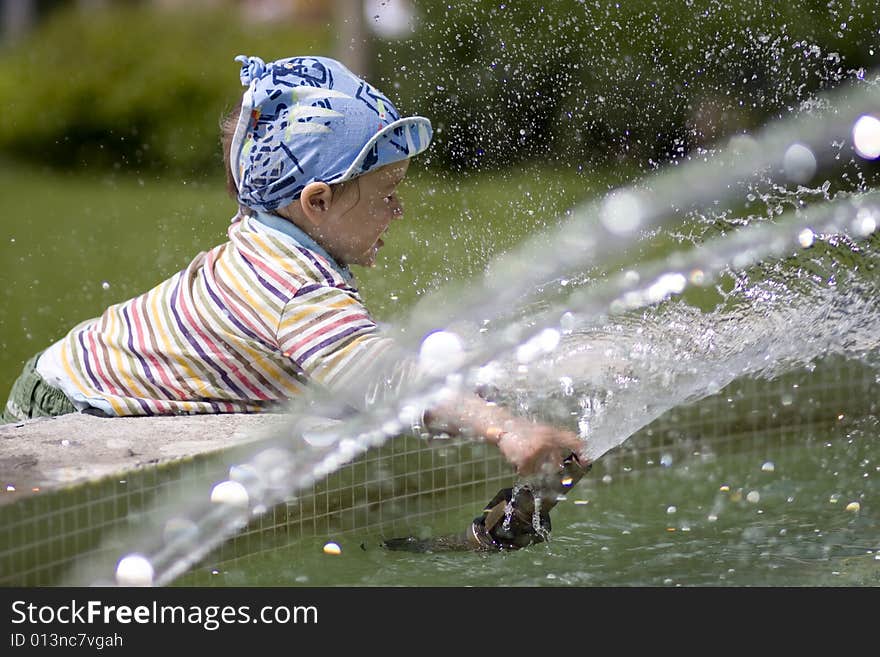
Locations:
(32, 397)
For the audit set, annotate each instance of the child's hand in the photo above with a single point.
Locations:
(528, 446)
(531, 447)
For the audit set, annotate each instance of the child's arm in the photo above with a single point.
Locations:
(362, 366)
(525, 444)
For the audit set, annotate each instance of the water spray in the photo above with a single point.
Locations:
(596, 233)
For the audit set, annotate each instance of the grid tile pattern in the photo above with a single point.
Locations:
(410, 484)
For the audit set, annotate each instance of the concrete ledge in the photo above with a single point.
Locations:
(48, 453)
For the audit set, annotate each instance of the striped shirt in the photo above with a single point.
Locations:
(243, 326)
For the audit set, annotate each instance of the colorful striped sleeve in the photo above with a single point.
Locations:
(331, 336)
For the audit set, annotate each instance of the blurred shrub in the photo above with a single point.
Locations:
(571, 82)
(133, 87)
(586, 82)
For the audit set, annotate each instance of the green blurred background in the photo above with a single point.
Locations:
(110, 163)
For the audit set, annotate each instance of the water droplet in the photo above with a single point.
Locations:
(865, 223)
(866, 137)
(806, 238)
(332, 548)
(621, 213)
(853, 507)
(134, 570)
(441, 352)
(769, 466)
(799, 163)
(754, 496)
(230, 492)
(105, 285)
(666, 460)
(666, 285)
(671, 509)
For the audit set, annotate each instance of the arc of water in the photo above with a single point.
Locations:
(651, 284)
(596, 231)
(856, 216)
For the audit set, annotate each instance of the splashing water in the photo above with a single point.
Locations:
(618, 376)
(610, 353)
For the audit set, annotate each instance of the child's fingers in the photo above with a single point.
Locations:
(558, 440)
(579, 447)
(540, 446)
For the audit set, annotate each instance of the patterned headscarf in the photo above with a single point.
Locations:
(308, 119)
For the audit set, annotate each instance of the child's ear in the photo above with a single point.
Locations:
(315, 201)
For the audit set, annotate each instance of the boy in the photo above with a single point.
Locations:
(314, 156)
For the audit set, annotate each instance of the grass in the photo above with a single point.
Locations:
(74, 243)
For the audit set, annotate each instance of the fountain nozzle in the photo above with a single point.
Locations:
(515, 518)
(520, 516)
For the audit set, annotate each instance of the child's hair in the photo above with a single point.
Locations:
(227, 131)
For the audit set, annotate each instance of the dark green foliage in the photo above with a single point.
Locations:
(135, 88)
(600, 82)
(570, 82)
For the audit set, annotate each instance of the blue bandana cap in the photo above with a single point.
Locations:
(310, 119)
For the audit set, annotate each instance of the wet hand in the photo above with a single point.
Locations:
(531, 447)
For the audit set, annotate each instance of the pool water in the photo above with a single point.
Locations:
(778, 506)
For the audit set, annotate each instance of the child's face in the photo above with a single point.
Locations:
(359, 215)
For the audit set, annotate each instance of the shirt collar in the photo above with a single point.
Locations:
(299, 236)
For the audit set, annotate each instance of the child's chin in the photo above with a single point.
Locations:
(370, 257)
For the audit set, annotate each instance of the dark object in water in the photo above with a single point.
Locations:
(509, 521)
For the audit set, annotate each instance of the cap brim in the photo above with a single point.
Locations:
(397, 141)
